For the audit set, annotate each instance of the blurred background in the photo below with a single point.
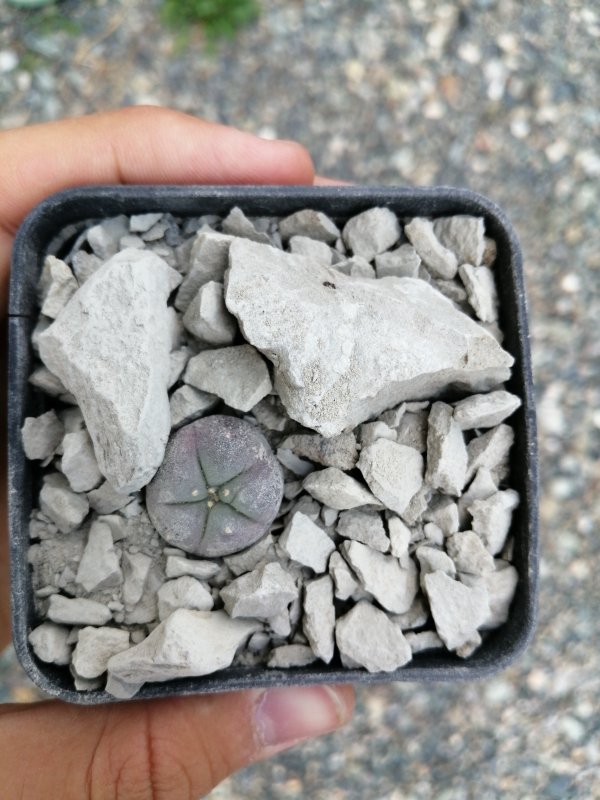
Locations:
(496, 95)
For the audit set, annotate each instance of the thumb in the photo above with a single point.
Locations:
(176, 748)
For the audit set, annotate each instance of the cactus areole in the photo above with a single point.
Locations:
(218, 489)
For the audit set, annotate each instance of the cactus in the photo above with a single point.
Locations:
(218, 488)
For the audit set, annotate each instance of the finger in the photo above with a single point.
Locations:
(176, 748)
(322, 180)
(137, 145)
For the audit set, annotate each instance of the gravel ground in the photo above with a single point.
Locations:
(502, 97)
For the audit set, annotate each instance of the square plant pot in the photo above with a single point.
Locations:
(58, 220)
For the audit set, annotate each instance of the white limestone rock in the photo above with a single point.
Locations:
(453, 291)
(312, 248)
(485, 410)
(184, 592)
(207, 318)
(492, 518)
(106, 499)
(369, 432)
(432, 559)
(490, 450)
(433, 534)
(481, 291)
(63, 506)
(270, 413)
(296, 465)
(110, 347)
(291, 655)
(180, 565)
(463, 235)
(392, 585)
(440, 262)
(50, 643)
(236, 223)
(99, 567)
(458, 611)
(40, 326)
(340, 361)
(313, 224)
(355, 267)
(393, 472)
(418, 505)
(238, 375)
(400, 538)
(469, 554)
(141, 223)
(481, 487)
(208, 262)
(318, 622)
(48, 382)
(57, 286)
(468, 648)
(42, 435)
(84, 265)
(105, 237)
(258, 641)
(136, 567)
(443, 511)
(337, 490)
(145, 611)
(187, 404)
(446, 451)
(187, 644)
(345, 583)
(77, 611)
(176, 328)
(262, 593)
(250, 558)
(412, 429)
(178, 360)
(416, 616)
(95, 646)
(79, 463)
(371, 232)
(280, 625)
(122, 690)
(306, 505)
(366, 637)
(337, 451)
(424, 640)
(501, 586)
(305, 543)
(329, 516)
(72, 419)
(365, 527)
(401, 263)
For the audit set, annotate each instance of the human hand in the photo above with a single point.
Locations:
(178, 747)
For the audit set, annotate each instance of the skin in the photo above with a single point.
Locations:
(177, 748)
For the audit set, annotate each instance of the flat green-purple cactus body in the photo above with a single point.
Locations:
(218, 489)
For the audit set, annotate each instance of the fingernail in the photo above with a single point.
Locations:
(284, 716)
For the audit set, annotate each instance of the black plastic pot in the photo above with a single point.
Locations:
(43, 232)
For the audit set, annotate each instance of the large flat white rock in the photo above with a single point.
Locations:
(345, 349)
(188, 643)
(110, 348)
(307, 544)
(319, 617)
(458, 610)
(366, 637)
(392, 585)
(393, 472)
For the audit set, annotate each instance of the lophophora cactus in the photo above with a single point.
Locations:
(218, 489)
